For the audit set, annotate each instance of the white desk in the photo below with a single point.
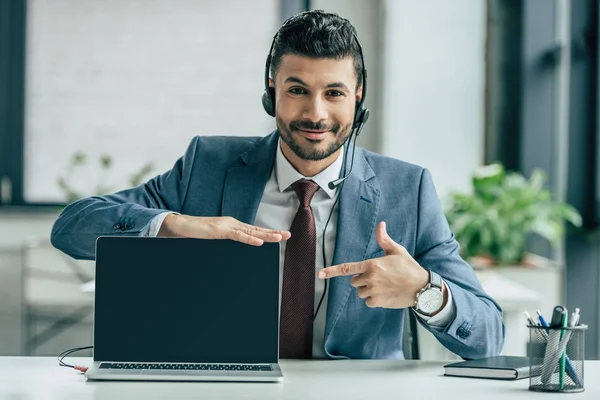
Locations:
(42, 378)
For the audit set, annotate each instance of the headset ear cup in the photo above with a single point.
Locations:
(361, 118)
(268, 101)
(358, 114)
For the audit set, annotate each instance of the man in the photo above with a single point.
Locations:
(380, 232)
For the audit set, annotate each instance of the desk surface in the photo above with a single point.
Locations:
(42, 378)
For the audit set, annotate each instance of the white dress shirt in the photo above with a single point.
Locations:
(277, 210)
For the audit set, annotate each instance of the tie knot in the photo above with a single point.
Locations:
(305, 190)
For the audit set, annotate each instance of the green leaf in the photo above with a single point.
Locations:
(486, 178)
(78, 158)
(138, 177)
(548, 229)
(537, 180)
(502, 210)
(572, 215)
(105, 161)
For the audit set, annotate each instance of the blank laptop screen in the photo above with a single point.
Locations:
(186, 300)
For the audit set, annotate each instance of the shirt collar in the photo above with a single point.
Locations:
(286, 174)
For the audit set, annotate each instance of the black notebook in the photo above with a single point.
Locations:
(499, 367)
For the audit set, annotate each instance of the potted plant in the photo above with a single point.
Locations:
(492, 223)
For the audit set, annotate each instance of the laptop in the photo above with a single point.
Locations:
(185, 309)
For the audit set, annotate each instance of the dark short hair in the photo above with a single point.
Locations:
(317, 34)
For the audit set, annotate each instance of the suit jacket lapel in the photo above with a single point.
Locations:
(357, 216)
(245, 181)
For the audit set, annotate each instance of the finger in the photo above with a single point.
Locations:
(364, 292)
(343, 270)
(371, 302)
(241, 236)
(386, 243)
(268, 235)
(359, 280)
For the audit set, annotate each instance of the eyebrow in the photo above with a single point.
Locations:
(294, 79)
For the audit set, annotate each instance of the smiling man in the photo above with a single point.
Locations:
(312, 105)
(363, 238)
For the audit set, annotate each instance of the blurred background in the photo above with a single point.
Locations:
(100, 95)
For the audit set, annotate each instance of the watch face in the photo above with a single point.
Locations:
(430, 301)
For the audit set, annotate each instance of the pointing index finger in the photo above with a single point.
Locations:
(342, 270)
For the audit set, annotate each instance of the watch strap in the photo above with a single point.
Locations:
(435, 280)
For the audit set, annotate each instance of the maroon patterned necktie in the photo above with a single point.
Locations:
(298, 292)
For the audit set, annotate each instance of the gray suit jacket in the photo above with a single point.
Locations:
(220, 176)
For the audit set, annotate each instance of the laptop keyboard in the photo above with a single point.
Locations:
(198, 367)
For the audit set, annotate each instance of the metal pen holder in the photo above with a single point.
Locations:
(556, 358)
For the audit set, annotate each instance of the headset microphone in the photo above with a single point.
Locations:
(365, 116)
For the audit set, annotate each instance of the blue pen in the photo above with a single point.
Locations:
(570, 368)
(542, 320)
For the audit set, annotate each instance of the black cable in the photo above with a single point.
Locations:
(329, 218)
(324, 256)
(65, 353)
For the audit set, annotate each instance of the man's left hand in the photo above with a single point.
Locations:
(392, 281)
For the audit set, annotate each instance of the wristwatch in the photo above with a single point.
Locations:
(430, 298)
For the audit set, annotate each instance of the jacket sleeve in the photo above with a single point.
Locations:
(477, 329)
(124, 213)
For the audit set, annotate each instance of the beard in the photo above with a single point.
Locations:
(312, 154)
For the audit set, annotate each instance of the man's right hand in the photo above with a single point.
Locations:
(176, 225)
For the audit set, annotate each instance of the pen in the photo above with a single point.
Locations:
(574, 318)
(543, 321)
(551, 355)
(529, 319)
(570, 369)
(541, 332)
(561, 375)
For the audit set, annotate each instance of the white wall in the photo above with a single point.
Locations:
(137, 79)
(434, 85)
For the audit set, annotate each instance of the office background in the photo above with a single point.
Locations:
(452, 85)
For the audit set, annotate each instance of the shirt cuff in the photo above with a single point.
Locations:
(445, 316)
(152, 229)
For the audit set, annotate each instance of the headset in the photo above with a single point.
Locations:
(361, 115)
